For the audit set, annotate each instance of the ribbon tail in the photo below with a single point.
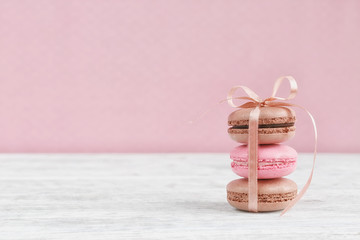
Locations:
(303, 190)
(253, 160)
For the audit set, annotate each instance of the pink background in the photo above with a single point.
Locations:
(126, 76)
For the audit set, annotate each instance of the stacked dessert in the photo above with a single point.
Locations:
(275, 160)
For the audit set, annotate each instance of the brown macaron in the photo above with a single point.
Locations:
(276, 124)
(273, 194)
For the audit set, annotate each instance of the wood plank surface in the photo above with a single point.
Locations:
(165, 196)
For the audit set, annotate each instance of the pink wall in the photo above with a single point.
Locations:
(126, 76)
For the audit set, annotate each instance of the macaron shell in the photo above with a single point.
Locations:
(266, 173)
(268, 115)
(273, 194)
(264, 138)
(274, 161)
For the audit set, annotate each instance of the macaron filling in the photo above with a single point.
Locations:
(264, 164)
(279, 125)
(262, 198)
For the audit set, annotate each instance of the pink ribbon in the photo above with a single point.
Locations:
(256, 102)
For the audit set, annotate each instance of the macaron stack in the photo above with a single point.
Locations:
(275, 160)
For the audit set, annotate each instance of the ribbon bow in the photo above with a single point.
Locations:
(256, 102)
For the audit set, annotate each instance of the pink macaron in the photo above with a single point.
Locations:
(274, 161)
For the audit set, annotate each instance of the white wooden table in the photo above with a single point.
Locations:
(165, 196)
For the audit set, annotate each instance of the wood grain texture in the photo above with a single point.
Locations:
(161, 196)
